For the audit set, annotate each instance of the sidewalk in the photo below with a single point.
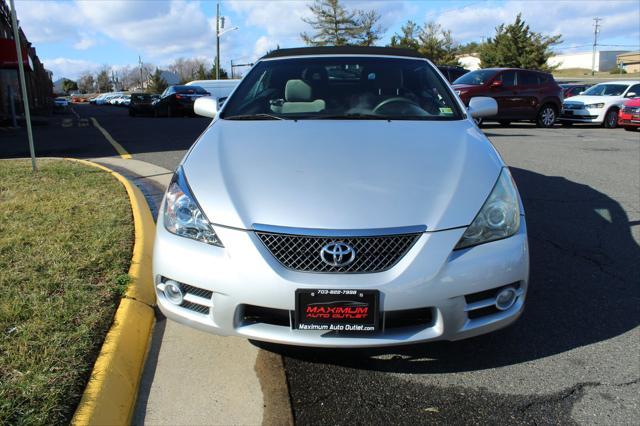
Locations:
(196, 378)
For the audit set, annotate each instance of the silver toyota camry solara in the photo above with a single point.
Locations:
(342, 197)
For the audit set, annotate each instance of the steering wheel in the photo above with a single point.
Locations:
(396, 100)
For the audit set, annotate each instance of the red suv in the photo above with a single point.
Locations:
(520, 94)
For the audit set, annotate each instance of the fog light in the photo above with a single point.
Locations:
(173, 292)
(506, 298)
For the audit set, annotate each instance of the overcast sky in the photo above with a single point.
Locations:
(72, 36)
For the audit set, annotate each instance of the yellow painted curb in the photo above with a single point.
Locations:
(110, 395)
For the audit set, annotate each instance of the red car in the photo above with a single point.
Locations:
(520, 94)
(570, 89)
(629, 114)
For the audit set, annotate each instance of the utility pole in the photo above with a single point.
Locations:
(140, 64)
(218, 41)
(23, 83)
(596, 30)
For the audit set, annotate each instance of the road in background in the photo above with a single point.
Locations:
(573, 356)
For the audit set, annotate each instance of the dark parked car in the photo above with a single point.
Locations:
(520, 94)
(452, 73)
(141, 103)
(572, 89)
(178, 100)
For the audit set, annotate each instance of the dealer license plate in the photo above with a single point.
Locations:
(337, 310)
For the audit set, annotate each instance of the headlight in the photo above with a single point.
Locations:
(183, 216)
(595, 106)
(498, 218)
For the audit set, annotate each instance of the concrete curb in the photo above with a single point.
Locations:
(110, 395)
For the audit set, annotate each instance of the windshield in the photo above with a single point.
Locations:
(190, 90)
(606, 90)
(342, 88)
(476, 78)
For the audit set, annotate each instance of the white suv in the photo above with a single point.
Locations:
(599, 104)
(342, 197)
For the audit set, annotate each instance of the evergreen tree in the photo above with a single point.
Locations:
(516, 46)
(409, 37)
(103, 80)
(201, 73)
(157, 83)
(431, 41)
(334, 25)
(370, 29)
(69, 85)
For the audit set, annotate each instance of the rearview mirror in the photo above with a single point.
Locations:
(482, 107)
(206, 106)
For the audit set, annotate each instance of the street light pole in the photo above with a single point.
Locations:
(217, 40)
(23, 83)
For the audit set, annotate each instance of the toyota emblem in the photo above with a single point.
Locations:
(337, 254)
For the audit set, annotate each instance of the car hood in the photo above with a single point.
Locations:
(465, 86)
(350, 174)
(586, 100)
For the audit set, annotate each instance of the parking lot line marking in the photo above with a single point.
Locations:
(119, 149)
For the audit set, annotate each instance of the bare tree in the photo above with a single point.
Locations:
(187, 68)
(86, 82)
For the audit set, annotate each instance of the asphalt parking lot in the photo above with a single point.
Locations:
(572, 357)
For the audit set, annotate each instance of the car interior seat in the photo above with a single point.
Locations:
(298, 97)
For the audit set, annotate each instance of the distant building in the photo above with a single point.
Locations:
(469, 61)
(38, 79)
(629, 61)
(605, 60)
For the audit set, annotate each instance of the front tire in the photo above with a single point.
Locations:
(611, 119)
(546, 116)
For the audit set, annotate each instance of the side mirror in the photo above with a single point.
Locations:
(581, 93)
(482, 107)
(496, 83)
(630, 95)
(206, 106)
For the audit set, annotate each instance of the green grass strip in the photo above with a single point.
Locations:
(66, 235)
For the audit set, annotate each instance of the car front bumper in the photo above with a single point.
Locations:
(430, 275)
(629, 119)
(583, 115)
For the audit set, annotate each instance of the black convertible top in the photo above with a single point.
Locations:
(343, 50)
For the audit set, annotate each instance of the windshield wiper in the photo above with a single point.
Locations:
(361, 116)
(253, 117)
(349, 116)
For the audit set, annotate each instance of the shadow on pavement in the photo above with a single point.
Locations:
(584, 289)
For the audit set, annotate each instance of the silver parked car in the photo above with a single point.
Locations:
(342, 197)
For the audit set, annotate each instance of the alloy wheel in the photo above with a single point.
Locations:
(547, 117)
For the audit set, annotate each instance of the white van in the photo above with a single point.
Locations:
(219, 89)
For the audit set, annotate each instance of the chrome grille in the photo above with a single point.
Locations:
(573, 106)
(302, 252)
(631, 110)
